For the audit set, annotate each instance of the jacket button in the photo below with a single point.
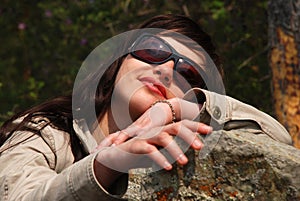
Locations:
(217, 112)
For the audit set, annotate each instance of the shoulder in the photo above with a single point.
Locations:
(41, 136)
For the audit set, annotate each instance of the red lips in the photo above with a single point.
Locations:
(154, 86)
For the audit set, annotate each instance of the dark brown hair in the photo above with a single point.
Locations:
(59, 110)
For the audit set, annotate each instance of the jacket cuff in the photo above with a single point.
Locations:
(83, 183)
(213, 111)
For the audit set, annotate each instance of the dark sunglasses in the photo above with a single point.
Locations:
(154, 50)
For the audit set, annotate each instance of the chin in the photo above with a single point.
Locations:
(138, 106)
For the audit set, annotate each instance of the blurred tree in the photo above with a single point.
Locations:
(284, 41)
(45, 42)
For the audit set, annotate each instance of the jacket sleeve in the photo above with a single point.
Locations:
(32, 170)
(224, 112)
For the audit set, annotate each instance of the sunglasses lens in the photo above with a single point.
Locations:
(188, 76)
(151, 49)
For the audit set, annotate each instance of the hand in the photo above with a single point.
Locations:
(151, 134)
(158, 115)
(141, 150)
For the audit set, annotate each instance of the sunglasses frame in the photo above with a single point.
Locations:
(175, 56)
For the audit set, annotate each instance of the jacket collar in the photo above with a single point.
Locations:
(83, 133)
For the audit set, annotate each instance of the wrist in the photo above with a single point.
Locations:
(190, 110)
(105, 175)
(176, 103)
(168, 107)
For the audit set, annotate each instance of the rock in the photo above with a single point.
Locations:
(235, 165)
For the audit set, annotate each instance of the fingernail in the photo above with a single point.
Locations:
(167, 165)
(113, 145)
(209, 129)
(197, 143)
(182, 158)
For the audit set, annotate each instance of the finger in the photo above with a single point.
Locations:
(127, 133)
(106, 142)
(190, 137)
(142, 147)
(166, 141)
(160, 160)
(109, 140)
(204, 129)
(192, 125)
(198, 127)
(188, 131)
(120, 138)
(176, 152)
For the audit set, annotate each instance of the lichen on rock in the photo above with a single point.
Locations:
(241, 166)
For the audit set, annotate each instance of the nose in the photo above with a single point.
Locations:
(165, 72)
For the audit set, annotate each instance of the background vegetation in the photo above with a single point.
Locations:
(44, 42)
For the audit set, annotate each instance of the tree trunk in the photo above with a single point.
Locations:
(284, 43)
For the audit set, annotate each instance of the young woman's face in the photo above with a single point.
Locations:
(139, 83)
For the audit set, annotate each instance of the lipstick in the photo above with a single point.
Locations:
(154, 86)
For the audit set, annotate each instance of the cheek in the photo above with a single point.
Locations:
(121, 101)
(129, 64)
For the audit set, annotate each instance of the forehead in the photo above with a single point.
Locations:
(187, 48)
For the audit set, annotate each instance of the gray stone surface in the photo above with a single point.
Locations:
(240, 166)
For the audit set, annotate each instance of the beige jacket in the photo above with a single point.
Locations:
(43, 168)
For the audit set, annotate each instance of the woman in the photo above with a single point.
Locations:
(56, 152)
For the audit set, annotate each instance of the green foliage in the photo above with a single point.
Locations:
(239, 28)
(45, 42)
